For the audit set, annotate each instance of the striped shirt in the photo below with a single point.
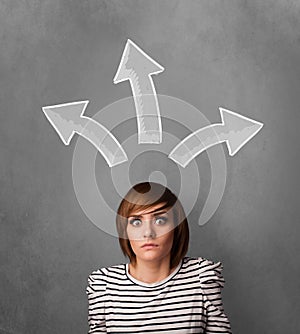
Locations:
(187, 301)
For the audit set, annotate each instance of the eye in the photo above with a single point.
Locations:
(135, 222)
(160, 220)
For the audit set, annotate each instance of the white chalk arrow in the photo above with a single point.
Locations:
(68, 118)
(137, 67)
(236, 130)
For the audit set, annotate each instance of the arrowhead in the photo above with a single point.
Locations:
(239, 129)
(135, 60)
(65, 118)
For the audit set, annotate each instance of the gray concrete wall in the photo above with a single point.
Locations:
(243, 55)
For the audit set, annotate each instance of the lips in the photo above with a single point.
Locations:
(149, 245)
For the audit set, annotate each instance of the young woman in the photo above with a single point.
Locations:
(160, 290)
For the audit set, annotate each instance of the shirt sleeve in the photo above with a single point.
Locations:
(211, 282)
(95, 291)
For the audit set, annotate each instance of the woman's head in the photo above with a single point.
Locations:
(149, 202)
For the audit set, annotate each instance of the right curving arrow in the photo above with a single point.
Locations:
(236, 130)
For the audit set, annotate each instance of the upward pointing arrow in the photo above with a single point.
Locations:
(236, 130)
(68, 118)
(137, 67)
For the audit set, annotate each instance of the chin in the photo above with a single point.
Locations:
(152, 257)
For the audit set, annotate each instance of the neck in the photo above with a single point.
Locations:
(149, 271)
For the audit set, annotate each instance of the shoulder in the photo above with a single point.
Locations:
(105, 273)
(99, 278)
(209, 271)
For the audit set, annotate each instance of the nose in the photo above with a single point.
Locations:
(149, 231)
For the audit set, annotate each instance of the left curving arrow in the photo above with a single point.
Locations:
(68, 118)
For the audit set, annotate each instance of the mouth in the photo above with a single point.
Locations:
(149, 245)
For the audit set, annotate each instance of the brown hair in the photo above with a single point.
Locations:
(144, 196)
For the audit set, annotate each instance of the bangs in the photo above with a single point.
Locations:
(147, 208)
(147, 199)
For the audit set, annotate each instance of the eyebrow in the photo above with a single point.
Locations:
(156, 213)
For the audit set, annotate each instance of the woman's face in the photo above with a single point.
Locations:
(151, 233)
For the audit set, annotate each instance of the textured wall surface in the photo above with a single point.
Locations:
(243, 55)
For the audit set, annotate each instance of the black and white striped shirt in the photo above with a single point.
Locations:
(187, 301)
